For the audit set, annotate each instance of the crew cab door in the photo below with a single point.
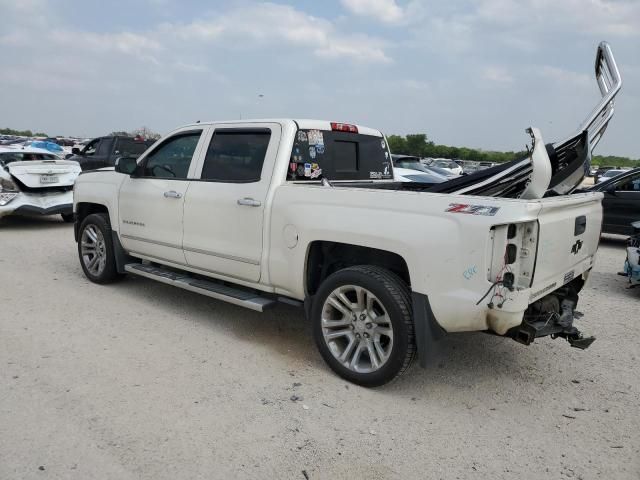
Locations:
(151, 201)
(621, 205)
(224, 208)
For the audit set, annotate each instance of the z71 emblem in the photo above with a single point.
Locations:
(472, 209)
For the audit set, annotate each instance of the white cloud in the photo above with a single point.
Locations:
(386, 11)
(273, 23)
(497, 74)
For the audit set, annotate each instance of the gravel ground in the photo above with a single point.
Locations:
(139, 380)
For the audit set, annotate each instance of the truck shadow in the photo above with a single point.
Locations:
(461, 360)
(33, 222)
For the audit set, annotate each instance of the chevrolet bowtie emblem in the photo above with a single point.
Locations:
(576, 247)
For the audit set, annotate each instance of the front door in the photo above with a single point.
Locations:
(151, 201)
(621, 206)
(223, 219)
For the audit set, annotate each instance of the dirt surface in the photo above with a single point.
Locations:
(140, 380)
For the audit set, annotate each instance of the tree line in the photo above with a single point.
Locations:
(21, 133)
(419, 144)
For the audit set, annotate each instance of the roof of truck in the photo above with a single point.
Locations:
(303, 124)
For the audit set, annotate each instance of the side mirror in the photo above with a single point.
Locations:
(126, 165)
(611, 189)
(75, 150)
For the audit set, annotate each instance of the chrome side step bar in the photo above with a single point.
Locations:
(210, 288)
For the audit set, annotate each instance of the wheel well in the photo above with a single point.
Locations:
(83, 210)
(86, 209)
(325, 258)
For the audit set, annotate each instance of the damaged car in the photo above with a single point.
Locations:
(311, 213)
(37, 182)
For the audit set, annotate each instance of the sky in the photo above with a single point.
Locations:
(472, 73)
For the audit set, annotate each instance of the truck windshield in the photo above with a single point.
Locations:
(336, 155)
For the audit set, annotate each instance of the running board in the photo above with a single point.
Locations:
(213, 289)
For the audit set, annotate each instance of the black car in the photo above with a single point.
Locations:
(103, 151)
(621, 203)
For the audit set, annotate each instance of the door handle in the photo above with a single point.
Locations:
(172, 194)
(249, 202)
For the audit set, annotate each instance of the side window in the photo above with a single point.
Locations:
(631, 184)
(104, 149)
(236, 156)
(91, 147)
(172, 158)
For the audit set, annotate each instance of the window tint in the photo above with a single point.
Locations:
(91, 147)
(173, 157)
(236, 155)
(631, 184)
(104, 148)
(128, 147)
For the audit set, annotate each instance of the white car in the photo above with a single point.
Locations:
(36, 181)
(448, 165)
(410, 175)
(610, 174)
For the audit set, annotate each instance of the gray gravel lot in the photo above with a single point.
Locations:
(142, 380)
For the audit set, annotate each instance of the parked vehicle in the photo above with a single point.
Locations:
(103, 151)
(621, 203)
(306, 212)
(36, 181)
(437, 175)
(600, 171)
(631, 268)
(609, 174)
(448, 165)
(411, 175)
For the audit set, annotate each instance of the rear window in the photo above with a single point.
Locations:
(128, 147)
(337, 155)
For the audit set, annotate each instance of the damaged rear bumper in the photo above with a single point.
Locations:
(39, 204)
(553, 315)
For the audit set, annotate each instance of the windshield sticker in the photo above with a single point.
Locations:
(375, 175)
(484, 210)
(315, 173)
(386, 155)
(383, 144)
(302, 136)
(307, 169)
(315, 137)
(386, 172)
(300, 170)
(312, 152)
(320, 149)
(293, 166)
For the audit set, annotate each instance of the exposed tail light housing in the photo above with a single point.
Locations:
(343, 127)
(513, 250)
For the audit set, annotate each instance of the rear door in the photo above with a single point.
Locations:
(622, 205)
(224, 208)
(151, 202)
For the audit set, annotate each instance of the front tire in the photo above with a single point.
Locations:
(363, 324)
(95, 249)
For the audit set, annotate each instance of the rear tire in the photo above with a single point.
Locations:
(363, 324)
(95, 249)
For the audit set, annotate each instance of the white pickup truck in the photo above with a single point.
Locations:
(307, 212)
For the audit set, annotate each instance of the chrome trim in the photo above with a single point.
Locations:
(610, 83)
(194, 250)
(221, 255)
(154, 242)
